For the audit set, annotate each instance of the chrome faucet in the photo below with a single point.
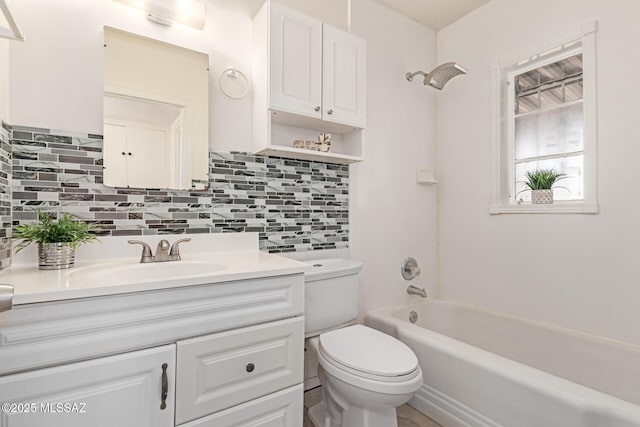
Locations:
(6, 297)
(414, 290)
(164, 251)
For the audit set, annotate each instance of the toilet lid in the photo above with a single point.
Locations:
(367, 350)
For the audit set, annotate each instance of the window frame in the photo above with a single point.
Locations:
(503, 71)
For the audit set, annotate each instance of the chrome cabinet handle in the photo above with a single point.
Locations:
(6, 298)
(317, 109)
(330, 112)
(165, 386)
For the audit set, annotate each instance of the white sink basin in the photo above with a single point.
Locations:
(150, 271)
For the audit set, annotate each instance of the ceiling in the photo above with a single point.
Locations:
(435, 14)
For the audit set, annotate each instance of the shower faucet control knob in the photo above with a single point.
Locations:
(409, 268)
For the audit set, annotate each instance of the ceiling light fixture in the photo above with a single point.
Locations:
(188, 12)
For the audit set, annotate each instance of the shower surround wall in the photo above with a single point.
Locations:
(294, 205)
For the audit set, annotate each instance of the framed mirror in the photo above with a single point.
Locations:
(155, 113)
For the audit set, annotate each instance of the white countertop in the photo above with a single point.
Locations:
(95, 277)
(32, 285)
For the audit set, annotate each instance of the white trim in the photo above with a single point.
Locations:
(13, 32)
(447, 410)
(502, 118)
(571, 207)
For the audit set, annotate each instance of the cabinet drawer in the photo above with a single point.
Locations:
(222, 370)
(280, 409)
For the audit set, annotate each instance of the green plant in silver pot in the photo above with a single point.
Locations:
(541, 183)
(57, 240)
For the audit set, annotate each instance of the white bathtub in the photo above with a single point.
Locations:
(483, 368)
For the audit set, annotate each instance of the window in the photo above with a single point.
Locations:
(544, 118)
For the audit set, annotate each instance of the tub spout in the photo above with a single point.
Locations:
(414, 290)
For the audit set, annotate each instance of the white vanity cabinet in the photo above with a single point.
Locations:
(134, 389)
(310, 76)
(219, 354)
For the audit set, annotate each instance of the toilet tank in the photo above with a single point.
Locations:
(330, 294)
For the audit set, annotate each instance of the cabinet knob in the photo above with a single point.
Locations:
(124, 154)
(330, 112)
(317, 108)
(250, 367)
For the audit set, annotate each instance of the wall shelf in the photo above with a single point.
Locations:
(316, 156)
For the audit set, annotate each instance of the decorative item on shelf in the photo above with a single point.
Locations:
(540, 182)
(57, 241)
(324, 142)
(305, 145)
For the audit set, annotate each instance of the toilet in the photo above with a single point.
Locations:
(365, 374)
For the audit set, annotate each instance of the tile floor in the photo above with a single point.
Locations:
(407, 416)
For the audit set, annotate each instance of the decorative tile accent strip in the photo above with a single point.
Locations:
(5, 196)
(294, 205)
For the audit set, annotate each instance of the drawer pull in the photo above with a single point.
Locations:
(250, 367)
(165, 386)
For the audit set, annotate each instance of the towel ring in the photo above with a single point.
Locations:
(234, 83)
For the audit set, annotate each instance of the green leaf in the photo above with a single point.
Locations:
(542, 179)
(46, 230)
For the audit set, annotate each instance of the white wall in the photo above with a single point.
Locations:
(57, 83)
(56, 75)
(391, 217)
(580, 271)
(4, 80)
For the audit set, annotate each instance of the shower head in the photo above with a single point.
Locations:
(439, 76)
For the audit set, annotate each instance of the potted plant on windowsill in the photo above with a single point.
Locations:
(57, 240)
(541, 182)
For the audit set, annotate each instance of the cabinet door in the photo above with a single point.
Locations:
(147, 165)
(295, 62)
(115, 155)
(123, 390)
(344, 77)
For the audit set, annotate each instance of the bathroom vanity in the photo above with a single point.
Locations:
(216, 339)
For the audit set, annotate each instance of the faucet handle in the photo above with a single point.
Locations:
(175, 249)
(146, 250)
(409, 268)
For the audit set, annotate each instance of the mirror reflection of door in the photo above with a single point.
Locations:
(156, 101)
(143, 143)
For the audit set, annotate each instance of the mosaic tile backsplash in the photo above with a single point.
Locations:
(5, 197)
(295, 205)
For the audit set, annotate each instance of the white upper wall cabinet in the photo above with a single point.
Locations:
(309, 78)
(316, 70)
(343, 71)
(296, 62)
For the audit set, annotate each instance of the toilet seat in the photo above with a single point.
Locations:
(367, 353)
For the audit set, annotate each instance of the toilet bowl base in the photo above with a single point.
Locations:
(318, 416)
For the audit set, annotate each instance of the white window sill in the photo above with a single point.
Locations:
(555, 208)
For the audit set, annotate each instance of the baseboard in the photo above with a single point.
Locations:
(448, 411)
